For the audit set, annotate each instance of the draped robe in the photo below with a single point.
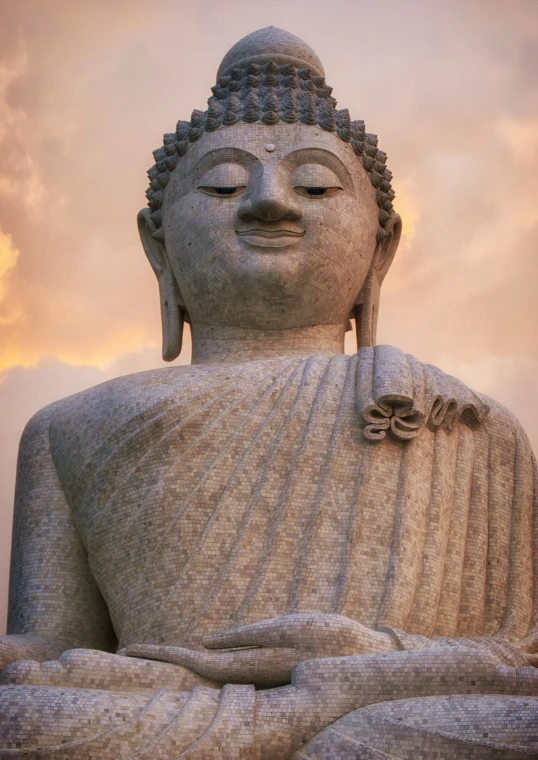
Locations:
(211, 496)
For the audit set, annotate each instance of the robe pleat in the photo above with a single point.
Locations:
(214, 496)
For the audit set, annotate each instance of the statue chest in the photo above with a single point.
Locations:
(261, 496)
(248, 505)
(266, 514)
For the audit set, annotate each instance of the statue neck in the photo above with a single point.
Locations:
(220, 344)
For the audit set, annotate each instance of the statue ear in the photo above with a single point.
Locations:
(366, 308)
(172, 308)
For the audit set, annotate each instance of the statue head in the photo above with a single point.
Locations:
(272, 209)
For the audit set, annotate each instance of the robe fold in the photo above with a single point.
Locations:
(214, 496)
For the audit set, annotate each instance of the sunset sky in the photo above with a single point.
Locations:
(87, 89)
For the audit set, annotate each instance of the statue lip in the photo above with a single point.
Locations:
(259, 232)
(263, 238)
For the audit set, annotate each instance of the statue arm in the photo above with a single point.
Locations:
(54, 601)
(234, 721)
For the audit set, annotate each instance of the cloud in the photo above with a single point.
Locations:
(8, 258)
(521, 137)
(19, 176)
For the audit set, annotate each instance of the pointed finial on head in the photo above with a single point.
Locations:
(271, 44)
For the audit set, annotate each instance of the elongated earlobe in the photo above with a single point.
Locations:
(366, 310)
(172, 309)
(172, 319)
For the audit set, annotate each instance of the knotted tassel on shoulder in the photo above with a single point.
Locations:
(398, 394)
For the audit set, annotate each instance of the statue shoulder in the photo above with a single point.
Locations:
(94, 412)
(503, 423)
(397, 393)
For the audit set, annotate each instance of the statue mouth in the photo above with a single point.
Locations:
(263, 238)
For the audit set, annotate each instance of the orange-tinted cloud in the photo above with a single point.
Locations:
(8, 258)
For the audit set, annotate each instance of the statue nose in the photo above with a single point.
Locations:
(269, 202)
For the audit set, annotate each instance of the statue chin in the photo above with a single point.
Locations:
(281, 551)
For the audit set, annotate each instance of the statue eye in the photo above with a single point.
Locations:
(316, 192)
(222, 192)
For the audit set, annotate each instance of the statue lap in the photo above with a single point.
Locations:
(162, 724)
(147, 712)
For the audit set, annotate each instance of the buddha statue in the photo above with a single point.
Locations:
(279, 551)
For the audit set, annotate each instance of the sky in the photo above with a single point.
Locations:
(88, 88)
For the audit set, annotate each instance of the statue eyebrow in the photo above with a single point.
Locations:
(313, 154)
(224, 155)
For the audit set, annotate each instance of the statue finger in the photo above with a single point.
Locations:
(199, 662)
(261, 666)
(274, 632)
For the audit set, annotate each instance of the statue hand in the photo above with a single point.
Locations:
(312, 635)
(265, 653)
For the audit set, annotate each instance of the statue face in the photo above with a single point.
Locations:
(270, 227)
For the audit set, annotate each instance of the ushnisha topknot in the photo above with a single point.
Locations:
(271, 44)
(271, 76)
